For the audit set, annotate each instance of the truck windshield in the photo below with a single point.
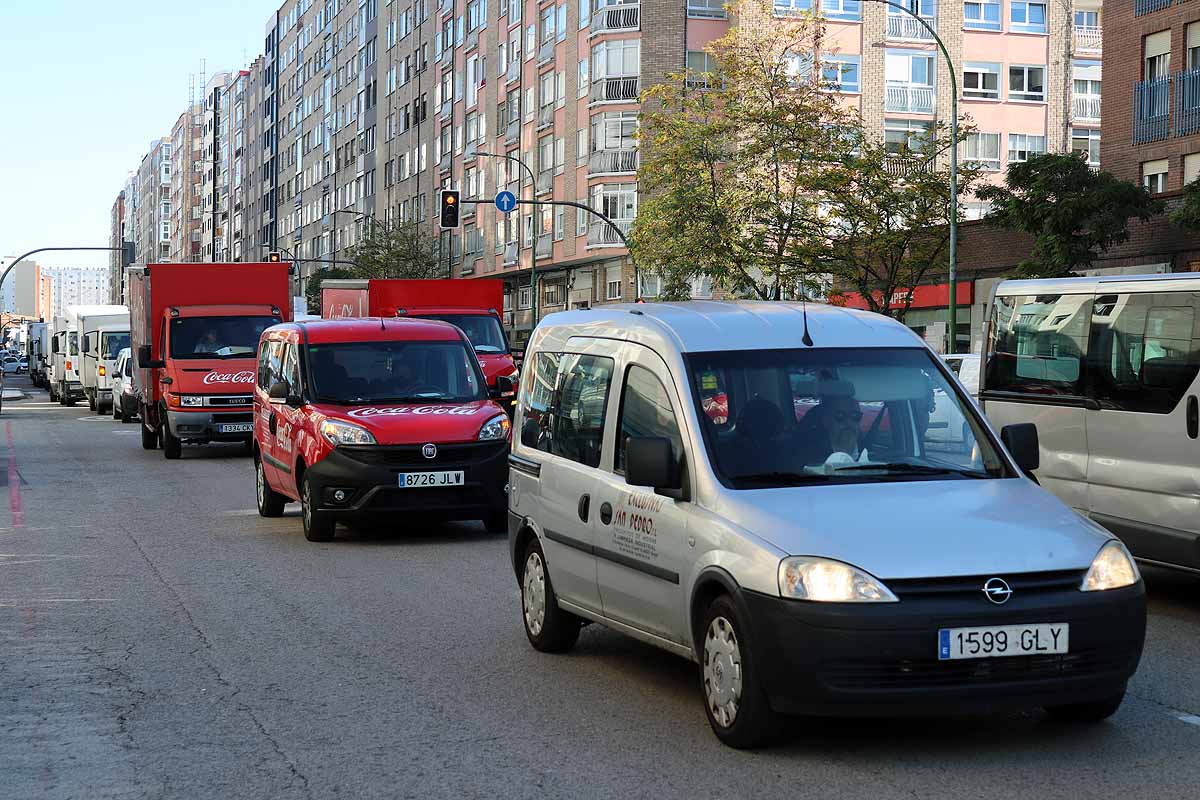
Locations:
(353, 373)
(217, 337)
(790, 417)
(111, 344)
(483, 330)
(72, 343)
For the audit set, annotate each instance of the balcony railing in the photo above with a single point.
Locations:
(1087, 40)
(1146, 6)
(546, 116)
(545, 181)
(1086, 107)
(514, 69)
(902, 26)
(609, 161)
(601, 234)
(546, 51)
(901, 166)
(1187, 102)
(545, 246)
(511, 254)
(512, 134)
(1151, 110)
(913, 99)
(620, 89)
(624, 17)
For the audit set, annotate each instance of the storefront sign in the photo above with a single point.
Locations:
(927, 296)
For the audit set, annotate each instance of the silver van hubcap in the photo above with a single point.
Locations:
(534, 595)
(722, 671)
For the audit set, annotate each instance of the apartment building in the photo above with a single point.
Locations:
(214, 168)
(116, 235)
(152, 236)
(77, 286)
(187, 159)
(243, 153)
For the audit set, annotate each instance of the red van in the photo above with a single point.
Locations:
(356, 417)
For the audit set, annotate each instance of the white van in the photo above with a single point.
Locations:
(696, 476)
(66, 385)
(1106, 367)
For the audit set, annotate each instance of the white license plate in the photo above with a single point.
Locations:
(1003, 640)
(236, 427)
(414, 480)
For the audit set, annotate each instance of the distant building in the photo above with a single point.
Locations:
(186, 163)
(77, 286)
(19, 293)
(116, 235)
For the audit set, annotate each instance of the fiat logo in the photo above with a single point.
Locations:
(997, 591)
(430, 451)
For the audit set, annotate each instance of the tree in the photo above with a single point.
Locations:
(1187, 216)
(889, 219)
(1071, 211)
(396, 251)
(734, 163)
(312, 287)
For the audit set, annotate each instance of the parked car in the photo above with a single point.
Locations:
(124, 393)
(22, 365)
(807, 565)
(966, 367)
(360, 417)
(1107, 367)
(11, 364)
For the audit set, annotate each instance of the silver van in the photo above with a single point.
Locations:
(1106, 367)
(760, 487)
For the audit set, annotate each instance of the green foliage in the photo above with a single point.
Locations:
(312, 287)
(1187, 216)
(1071, 211)
(397, 251)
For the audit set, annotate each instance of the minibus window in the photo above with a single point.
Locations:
(1038, 344)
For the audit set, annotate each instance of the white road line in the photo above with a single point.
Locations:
(241, 512)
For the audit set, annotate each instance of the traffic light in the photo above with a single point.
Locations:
(128, 254)
(274, 257)
(448, 200)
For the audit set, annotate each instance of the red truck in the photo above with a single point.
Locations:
(473, 305)
(194, 329)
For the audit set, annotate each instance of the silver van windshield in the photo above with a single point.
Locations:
(790, 417)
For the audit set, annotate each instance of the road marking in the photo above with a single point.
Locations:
(20, 601)
(241, 512)
(1190, 719)
(125, 433)
(14, 482)
(96, 419)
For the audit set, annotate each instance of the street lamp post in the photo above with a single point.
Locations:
(533, 251)
(952, 315)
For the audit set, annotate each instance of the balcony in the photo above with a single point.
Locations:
(902, 166)
(446, 111)
(545, 246)
(622, 89)
(601, 234)
(902, 26)
(1141, 7)
(546, 52)
(512, 254)
(1085, 108)
(512, 134)
(545, 181)
(604, 162)
(910, 99)
(1151, 110)
(610, 19)
(1187, 102)
(514, 69)
(446, 6)
(545, 116)
(472, 40)
(1087, 40)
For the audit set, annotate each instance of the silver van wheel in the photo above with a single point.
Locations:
(722, 671)
(533, 598)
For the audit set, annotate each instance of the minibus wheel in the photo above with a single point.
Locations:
(734, 700)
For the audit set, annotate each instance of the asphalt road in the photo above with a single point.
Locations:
(159, 639)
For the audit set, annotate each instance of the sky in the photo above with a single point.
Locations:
(85, 86)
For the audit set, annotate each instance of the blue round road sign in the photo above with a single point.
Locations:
(506, 201)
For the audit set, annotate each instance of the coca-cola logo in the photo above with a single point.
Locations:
(420, 411)
(244, 376)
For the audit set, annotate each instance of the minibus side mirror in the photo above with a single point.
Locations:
(145, 361)
(1021, 440)
(650, 462)
(280, 392)
(504, 385)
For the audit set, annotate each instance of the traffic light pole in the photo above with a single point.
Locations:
(126, 252)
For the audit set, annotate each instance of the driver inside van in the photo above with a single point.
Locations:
(839, 417)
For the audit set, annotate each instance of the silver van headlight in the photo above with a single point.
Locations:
(1112, 568)
(824, 580)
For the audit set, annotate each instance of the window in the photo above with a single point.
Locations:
(1025, 17)
(1154, 176)
(840, 73)
(583, 78)
(1087, 19)
(902, 136)
(981, 81)
(581, 218)
(615, 130)
(1027, 83)
(784, 8)
(564, 405)
(1143, 353)
(525, 298)
(702, 65)
(909, 67)
(981, 15)
(1191, 168)
(617, 201)
(710, 9)
(983, 149)
(1023, 145)
(1157, 55)
(646, 410)
(618, 57)
(585, 13)
(1087, 141)
(1037, 344)
(841, 9)
(552, 294)
(1192, 42)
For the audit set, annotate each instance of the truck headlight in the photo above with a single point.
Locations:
(495, 428)
(190, 400)
(824, 580)
(1112, 568)
(337, 432)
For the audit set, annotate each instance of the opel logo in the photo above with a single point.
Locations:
(430, 451)
(997, 591)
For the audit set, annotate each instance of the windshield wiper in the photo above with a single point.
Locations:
(782, 478)
(914, 469)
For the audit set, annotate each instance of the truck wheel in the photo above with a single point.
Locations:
(318, 525)
(124, 415)
(62, 394)
(270, 502)
(172, 446)
(149, 437)
(92, 403)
